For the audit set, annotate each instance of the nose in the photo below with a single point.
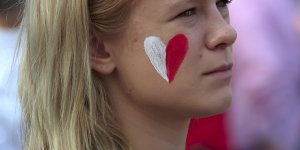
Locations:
(220, 34)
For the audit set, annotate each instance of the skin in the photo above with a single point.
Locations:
(153, 113)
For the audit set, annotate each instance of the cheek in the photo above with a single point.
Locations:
(166, 59)
(194, 62)
(135, 71)
(175, 53)
(187, 94)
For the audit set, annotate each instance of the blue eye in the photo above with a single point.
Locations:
(223, 3)
(187, 13)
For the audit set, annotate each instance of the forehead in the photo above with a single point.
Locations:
(160, 5)
(159, 2)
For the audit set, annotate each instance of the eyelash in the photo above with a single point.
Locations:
(223, 3)
(192, 11)
(187, 13)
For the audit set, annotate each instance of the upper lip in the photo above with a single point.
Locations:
(221, 68)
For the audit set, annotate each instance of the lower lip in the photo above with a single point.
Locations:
(220, 74)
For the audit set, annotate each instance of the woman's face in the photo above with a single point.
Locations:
(194, 91)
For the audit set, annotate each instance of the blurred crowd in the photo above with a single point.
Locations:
(265, 113)
(297, 17)
(266, 96)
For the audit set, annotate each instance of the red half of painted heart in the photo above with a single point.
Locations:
(175, 53)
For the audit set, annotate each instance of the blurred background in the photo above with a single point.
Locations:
(265, 113)
(10, 135)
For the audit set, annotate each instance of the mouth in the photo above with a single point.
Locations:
(222, 70)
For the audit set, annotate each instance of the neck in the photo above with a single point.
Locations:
(149, 129)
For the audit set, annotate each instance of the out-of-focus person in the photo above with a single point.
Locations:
(266, 101)
(297, 18)
(10, 135)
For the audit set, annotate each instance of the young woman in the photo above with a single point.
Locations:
(122, 74)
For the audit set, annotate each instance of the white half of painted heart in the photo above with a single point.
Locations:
(156, 52)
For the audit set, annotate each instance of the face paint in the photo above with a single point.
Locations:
(155, 49)
(166, 59)
(176, 50)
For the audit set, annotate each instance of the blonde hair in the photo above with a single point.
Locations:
(64, 103)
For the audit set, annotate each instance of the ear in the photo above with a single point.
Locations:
(101, 59)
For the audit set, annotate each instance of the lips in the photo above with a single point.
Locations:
(220, 69)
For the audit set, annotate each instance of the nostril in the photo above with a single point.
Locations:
(235, 35)
(221, 46)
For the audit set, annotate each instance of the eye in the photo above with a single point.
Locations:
(223, 3)
(187, 13)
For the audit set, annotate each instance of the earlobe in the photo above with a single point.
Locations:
(101, 66)
(101, 59)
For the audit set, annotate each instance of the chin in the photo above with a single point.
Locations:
(217, 104)
(223, 101)
(225, 105)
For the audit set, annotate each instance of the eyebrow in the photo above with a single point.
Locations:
(177, 3)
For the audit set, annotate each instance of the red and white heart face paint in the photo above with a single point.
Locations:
(166, 59)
